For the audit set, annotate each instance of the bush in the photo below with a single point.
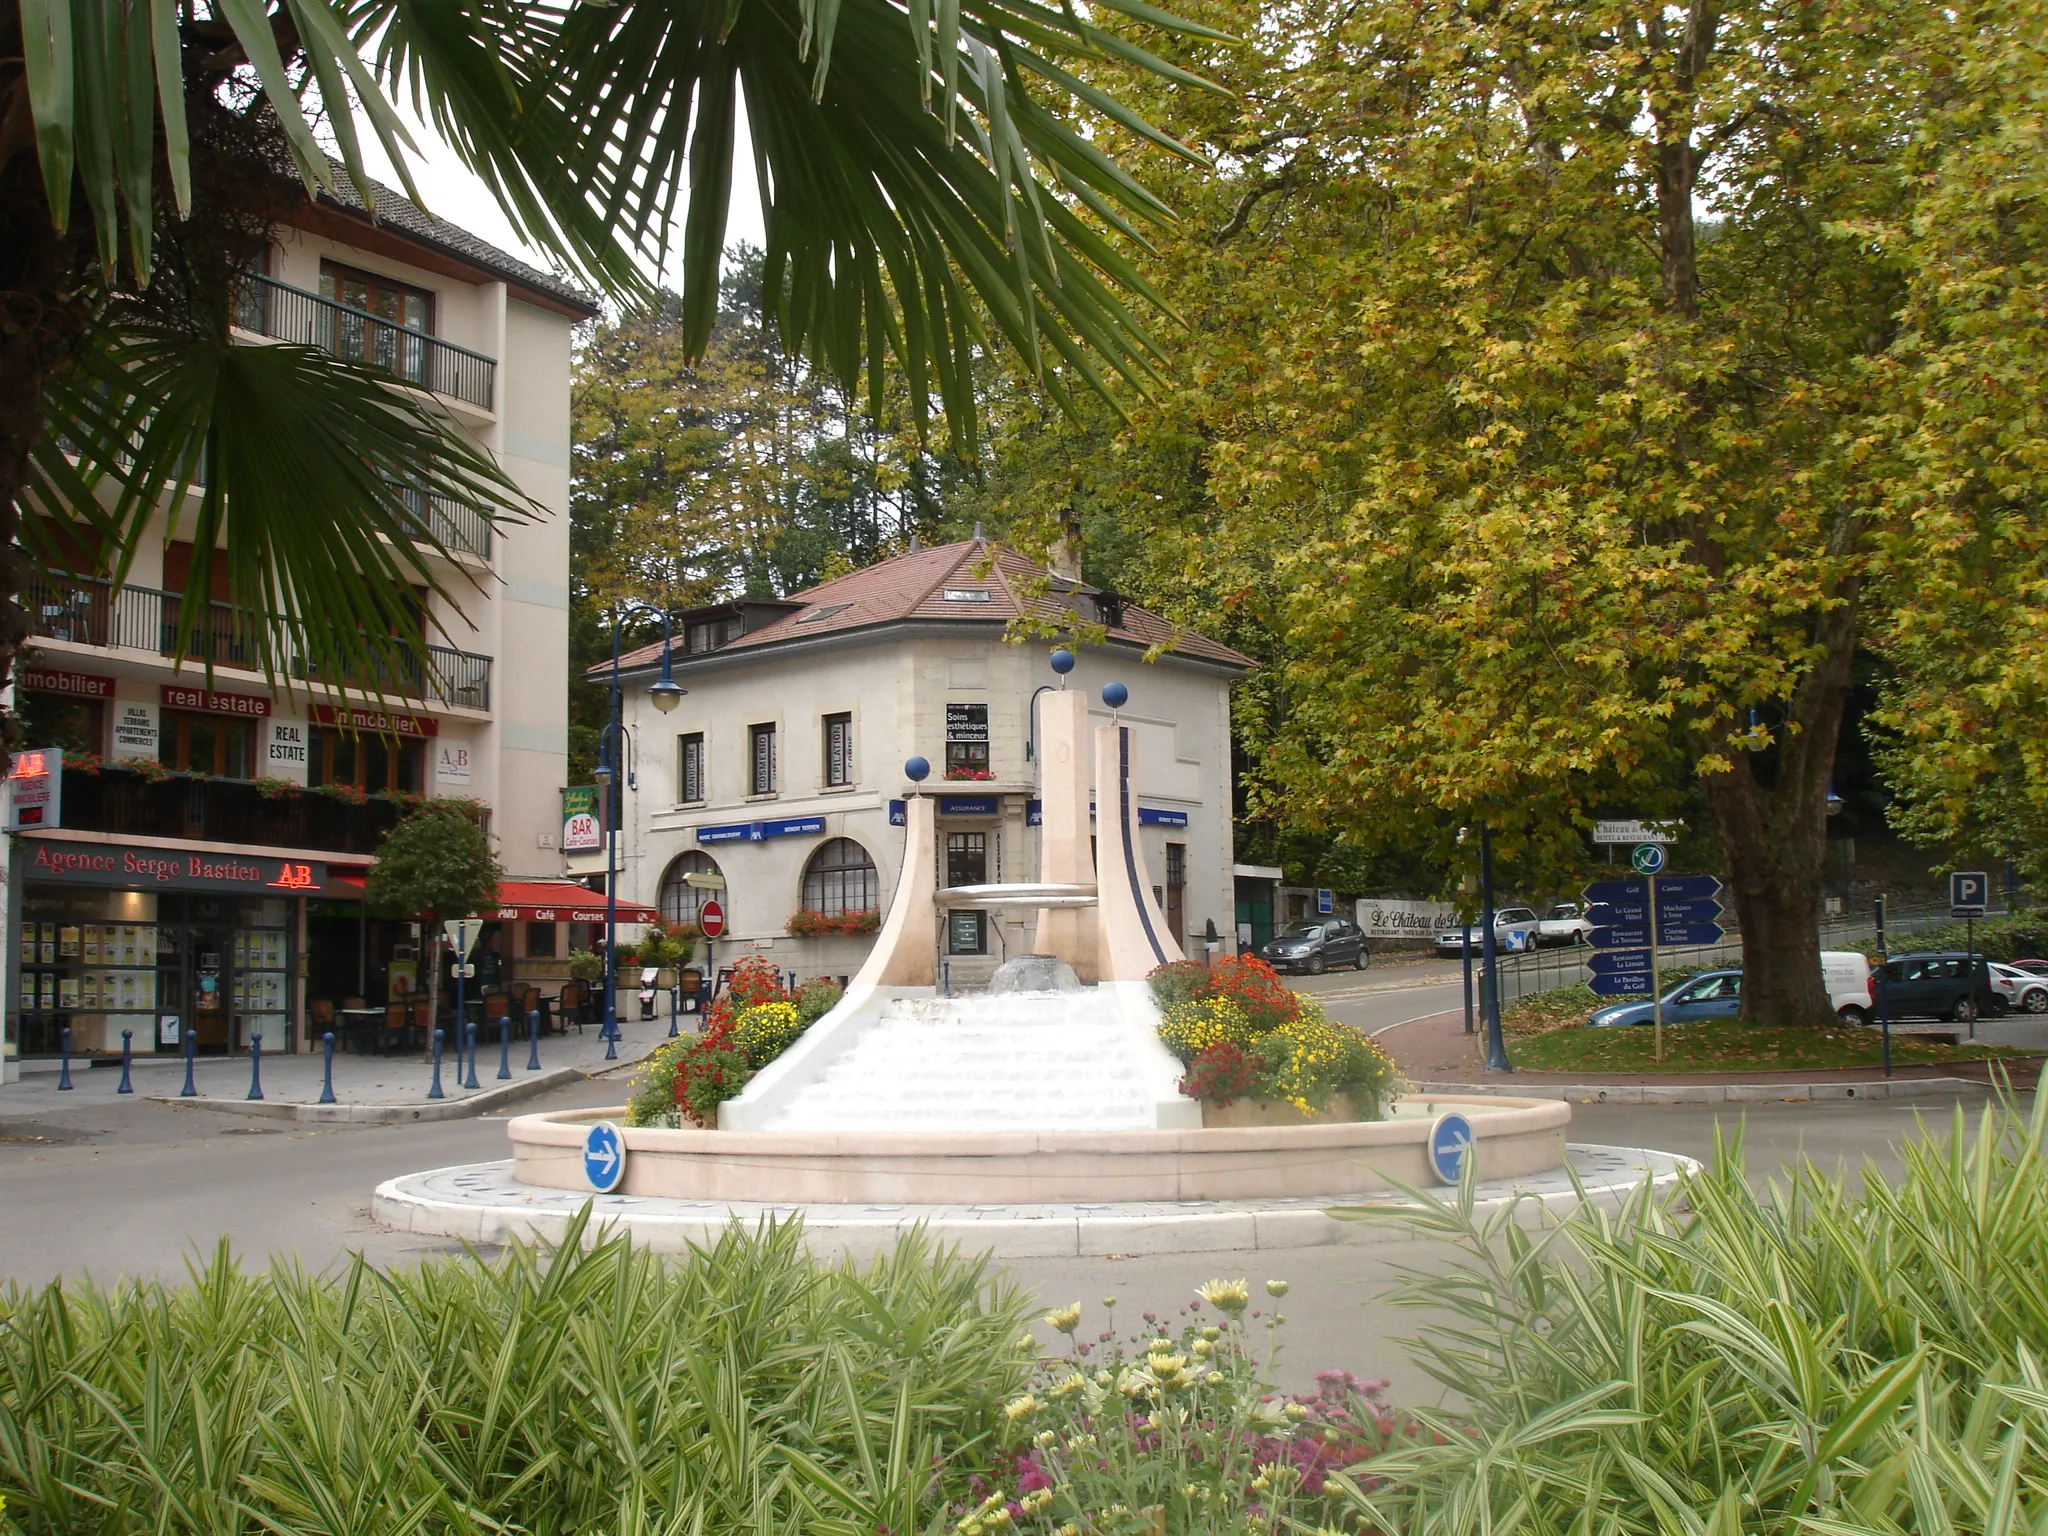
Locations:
(746, 1387)
(765, 1031)
(2024, 937)
(1179, 981)
(1825, 1354)
(808, 924)
(1191, 1027)
(1221, 1074)
(1245, 980)
(815, 999)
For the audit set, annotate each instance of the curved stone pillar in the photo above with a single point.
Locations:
(906, 950)
(1063, 832)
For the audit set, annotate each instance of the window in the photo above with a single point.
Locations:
(540, 941)
(366, 760)
(1176, 890)
(201, 743)
(690, 778)
(838, 750)
(966, 595)
(966, 858)
(819, 615)
(841, 878)
(709, 634)
(967, 741)
(760, 759)
(61, 720)
(680, 901)
(378, 345)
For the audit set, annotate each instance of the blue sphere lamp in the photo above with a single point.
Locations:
(917, 770)
(1115, 695)
(1062, 661)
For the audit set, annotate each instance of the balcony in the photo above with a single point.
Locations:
(270, 308)
(86, 611)
(125, 804)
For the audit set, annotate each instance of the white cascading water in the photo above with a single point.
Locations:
(1014, 1061)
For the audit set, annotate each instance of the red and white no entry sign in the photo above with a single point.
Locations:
(712, 919)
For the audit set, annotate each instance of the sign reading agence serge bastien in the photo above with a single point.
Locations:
(133, 866)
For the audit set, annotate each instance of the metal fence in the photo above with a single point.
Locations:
(270, 308)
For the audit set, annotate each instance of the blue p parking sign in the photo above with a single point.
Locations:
(604, 1156)
(1449, 1139)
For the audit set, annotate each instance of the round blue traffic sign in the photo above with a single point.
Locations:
(1648, 859)
(604, 1156)
(1449, 1139)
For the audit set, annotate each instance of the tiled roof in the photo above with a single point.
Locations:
(931, 585)
(398, 212)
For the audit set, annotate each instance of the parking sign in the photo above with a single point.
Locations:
(1969, 893)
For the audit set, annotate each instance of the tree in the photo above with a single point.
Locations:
(436, 865)
(1541, 395)
(908, 196)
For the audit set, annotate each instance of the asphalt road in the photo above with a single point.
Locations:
(116, 1187)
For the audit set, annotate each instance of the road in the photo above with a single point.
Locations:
(1386, 993)
(116, 1187)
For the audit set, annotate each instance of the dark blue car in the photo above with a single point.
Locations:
(1709, 995)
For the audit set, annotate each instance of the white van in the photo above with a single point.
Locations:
(1851, 992)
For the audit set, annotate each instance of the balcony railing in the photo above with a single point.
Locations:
(87, 611)
(270, 308)
(461, 530)
(126, 804)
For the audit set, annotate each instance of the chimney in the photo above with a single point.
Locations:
(1063, 558)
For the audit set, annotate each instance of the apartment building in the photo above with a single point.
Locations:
(777, 784)
(212, 838)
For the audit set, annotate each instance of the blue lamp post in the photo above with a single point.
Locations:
(666, 694)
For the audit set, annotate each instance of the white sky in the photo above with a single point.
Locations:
(452, 193)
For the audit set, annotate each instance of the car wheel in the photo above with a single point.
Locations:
(1579, 936)
(1965, 1011)
(1854, 1016)
(1315, 965)
(1362, 961)
(2036, 1000)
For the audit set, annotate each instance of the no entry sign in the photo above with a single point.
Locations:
(711, 919)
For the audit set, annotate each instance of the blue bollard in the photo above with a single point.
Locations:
(470, 1081)
(611, 1044)
(327, 1073)
(64, 1057)
(504, 1046)
(673, 993)
(533, 1040)
(255, 1065)
(435, 1091)
(127, 1055)
(190, 1090)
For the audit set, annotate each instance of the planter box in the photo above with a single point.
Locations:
(1240, 1113)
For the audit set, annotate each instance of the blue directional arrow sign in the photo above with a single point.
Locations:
(1605, 914)
(1607, 961)
(604, 1156)
(1609, 914)
(1621, 984)
(1450, 1138)
(1622, 936)
(1673, 935)
(1698, 911)
(1685, 888)
(1619, 890)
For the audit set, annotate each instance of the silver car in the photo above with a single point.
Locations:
(1514, 928)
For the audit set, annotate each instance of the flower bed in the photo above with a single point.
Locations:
(810, 925)
(1243, 1034)
(750, 1024)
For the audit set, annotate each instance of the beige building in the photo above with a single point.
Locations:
(781, 772)
(209, 860)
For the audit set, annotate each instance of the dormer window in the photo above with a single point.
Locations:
(710, 634)
(819, 615)
(966, 594)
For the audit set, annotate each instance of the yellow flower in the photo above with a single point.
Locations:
(1212, 1334)
(1027, 1343)
(1259, 1483)
(1044, 1438)
(1215, 1378)
(1227, 1296)
(1295, 1413)
(1276, 1288)
(1203, 1346)
(1020, 1408)
(1065, 1319)
(1160, 1347)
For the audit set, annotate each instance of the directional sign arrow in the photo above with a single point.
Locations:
(1621, 984)
(1611, 962)
(1628, 936)
(1671, 935)
(1686, 888)
(1699, 911)
(604, 1155)
(1605, 914)
(1618, 890)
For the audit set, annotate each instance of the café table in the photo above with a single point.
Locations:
(359, 1028)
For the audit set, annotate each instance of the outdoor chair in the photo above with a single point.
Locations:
(690, 986)
(572, 1007)
(392, 1036)
(422, 1023)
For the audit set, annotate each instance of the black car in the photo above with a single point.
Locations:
(1945, 984)
(1316, 946)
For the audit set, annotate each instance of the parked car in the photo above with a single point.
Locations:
(1513, 928)
(2023, 991)
(2034, 967)
(1718, 995)
(1945, 984)
(1565, 923)
(1316, 946)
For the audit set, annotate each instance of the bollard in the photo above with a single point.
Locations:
(64, 1059)
(190, 1090)
(435, 1091)
(255, 1065)
(611, 1043)
(327, 1068)
(504, 1046)
(533, 1040)
(127, 1054)
(673, 994)
(470, 1081)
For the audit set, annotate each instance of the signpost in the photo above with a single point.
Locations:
(604, 1157)
(1635, 919)
(711, 921)
(1969, 897)
(1450, 1139)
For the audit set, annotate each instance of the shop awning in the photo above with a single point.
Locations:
(560, 901)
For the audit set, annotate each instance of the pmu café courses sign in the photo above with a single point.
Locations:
(169, 869)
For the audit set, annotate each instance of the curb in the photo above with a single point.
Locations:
(1717, 1093)
(371, 1114)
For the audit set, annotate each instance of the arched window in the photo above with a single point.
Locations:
(841, 878)
(682, 902)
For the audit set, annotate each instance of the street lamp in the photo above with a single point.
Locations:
(666, 694)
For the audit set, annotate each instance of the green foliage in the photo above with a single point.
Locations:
(436, 863)
(586, 966)
(763, 1032)
(2023, 937)
(743, 1387)
(1731, 1046)
(815, 999)
(1850, 1356)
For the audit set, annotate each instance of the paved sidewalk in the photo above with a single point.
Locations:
(397, 1084)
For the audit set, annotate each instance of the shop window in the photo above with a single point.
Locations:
(967, 741)
(838, 750)
(841, 877)
(680, 901)
(761, 759)
(540, 941)
(966, 858)
(59, 720)
(192, 742)
(368, 761)
(690, 777)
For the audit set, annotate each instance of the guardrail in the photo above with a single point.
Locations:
(270, 308)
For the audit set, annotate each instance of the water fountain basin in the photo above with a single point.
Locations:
(1512, 1138)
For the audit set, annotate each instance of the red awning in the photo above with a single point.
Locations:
(561, 901)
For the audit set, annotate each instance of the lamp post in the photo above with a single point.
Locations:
(666, 694)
